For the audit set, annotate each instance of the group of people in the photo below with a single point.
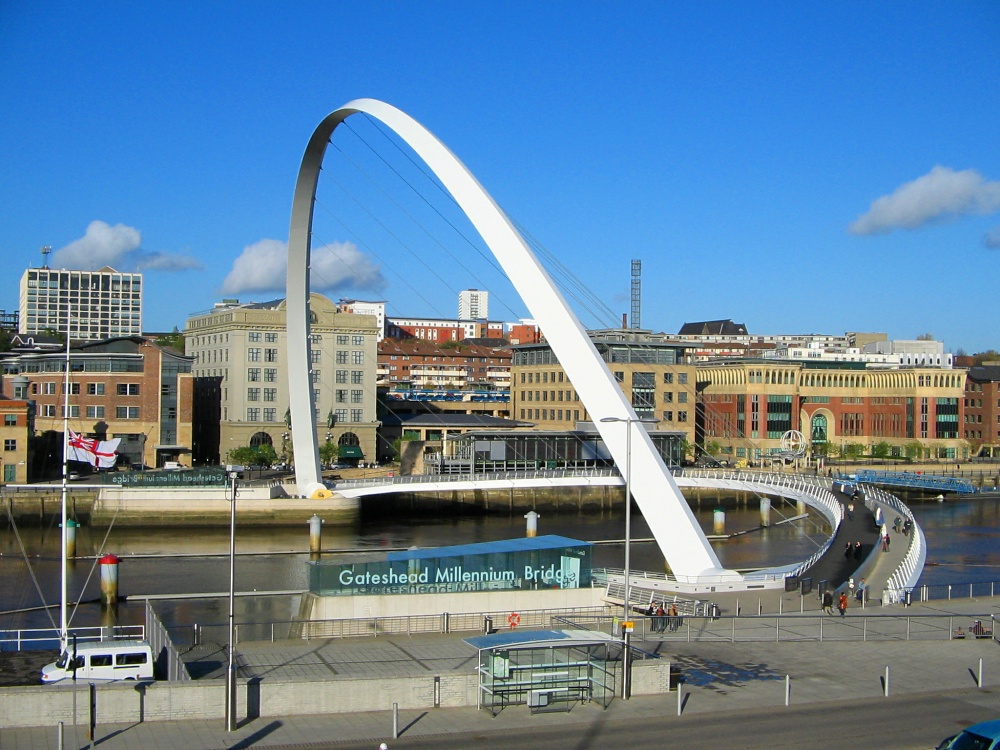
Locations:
(841, 603)
(853, 550)
(901, 526)
(663, 619)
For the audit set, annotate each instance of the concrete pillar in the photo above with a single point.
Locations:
(532, 529)
(719, 521)
(765, 511)
(109, 579)
(800, 507)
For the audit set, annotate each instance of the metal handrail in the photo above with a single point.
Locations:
(46, 638)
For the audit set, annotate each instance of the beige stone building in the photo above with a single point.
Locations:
(242, 347)
(653, 372)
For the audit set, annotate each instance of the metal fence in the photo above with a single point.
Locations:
(43, 639)
(446, 622)
(166, 658)
(790, 628)
(947, 591)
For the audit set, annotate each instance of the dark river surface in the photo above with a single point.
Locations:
(963, 537)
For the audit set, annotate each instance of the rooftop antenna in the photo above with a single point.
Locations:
(636, 293)
(46, 249)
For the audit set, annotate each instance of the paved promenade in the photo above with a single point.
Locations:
(720, 678)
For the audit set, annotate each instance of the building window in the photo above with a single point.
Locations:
(357, 396)
(10, 420)
(270, 338)
(95, 389)
(358, 340)
(357, 415)
(74, 412)
(668, 416)
(270, 415)
(270, 394)
(682, 397)
(10, 444)
(342, 339)
(668, 377)
(682, 379)
(253, 374)
(128, 389)
(253, 394)
(341, 376)
(682, 416)
(49, 410)
(126, 412)
(270, 355)
(254, 337)
(357, 358)
(314, 356)
(95, 412)
(668, 397)
(357, 376)
(340, 415)
(270, 374)
(253, 414)
(253, 355)
(340, 395)
(341, 357)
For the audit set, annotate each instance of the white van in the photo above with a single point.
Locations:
(102, 661)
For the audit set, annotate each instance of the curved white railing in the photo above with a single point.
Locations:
(908, 572)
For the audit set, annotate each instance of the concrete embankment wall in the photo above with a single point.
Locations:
(183, 506)
(128, 703)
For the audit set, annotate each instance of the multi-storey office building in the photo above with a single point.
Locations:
(440, 330)
(652, 371)
(747, 406)
(981, 423)
(241, 350)
(128, 388)
(88, 304)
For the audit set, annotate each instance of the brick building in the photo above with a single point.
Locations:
(746, 407)
(410, 366)
(129, 388)
(981, 423)
(15, 432)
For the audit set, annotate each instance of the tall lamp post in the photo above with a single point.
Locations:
(231, 668)
(628, 422)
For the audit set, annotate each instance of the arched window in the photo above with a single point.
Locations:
(348, 438)
(818, 428)
(259, 439)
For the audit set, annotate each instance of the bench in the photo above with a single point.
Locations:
(979, 630)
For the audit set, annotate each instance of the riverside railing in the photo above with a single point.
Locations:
(794, 627)
(42, 639)
(443, 623)
(908, 572)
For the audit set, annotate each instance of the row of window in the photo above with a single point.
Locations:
(561, 415)
(268, 414)
(93, 412)
(93, 389)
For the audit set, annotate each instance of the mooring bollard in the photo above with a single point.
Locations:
(109, 579)
(887, 681)
(532, 526)
(719, 521)
(680, 698)
(60, 740)
(71, 527)
(788, 689)
(395, 720)
(980, 678)
(315, 534)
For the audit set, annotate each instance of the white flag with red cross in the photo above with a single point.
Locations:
(99, 453)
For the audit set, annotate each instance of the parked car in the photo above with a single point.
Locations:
(982, 736)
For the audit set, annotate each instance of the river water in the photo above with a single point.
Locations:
(962, 538)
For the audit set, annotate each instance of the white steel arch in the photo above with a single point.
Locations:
(670, 519)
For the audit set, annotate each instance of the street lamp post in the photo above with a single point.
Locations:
(231, 668)
(628, 421)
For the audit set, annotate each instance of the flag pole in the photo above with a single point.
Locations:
(63, 570)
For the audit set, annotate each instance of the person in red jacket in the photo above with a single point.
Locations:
(842, 603)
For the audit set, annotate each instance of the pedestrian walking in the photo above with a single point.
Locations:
(828, 602)
(842, 604)
(850, 511)
(848, 550)
(857, 550)
(673, 618)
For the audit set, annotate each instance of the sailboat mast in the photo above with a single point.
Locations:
(63, 573)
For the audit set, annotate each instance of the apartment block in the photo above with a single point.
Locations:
(93, 305)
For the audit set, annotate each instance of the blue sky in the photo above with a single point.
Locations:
(797, 168)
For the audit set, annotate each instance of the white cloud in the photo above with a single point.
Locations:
(261, 267)
(941, 193)
(118, 246)
(992, 239)
(102, 245)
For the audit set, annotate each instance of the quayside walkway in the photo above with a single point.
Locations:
(719, 679)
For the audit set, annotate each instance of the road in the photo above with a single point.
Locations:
(901, 723)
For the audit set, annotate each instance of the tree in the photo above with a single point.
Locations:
(173, 340)
(881, 450)
(397, 445)
(244, 455)
(914, 450)
(329, 452)
(713, 447)
(854, 451)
